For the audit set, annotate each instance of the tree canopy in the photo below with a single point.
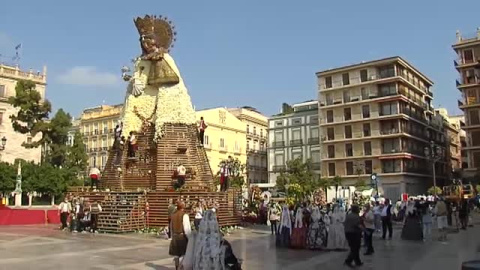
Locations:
(32, 114)
(236, 171)
(58, 129)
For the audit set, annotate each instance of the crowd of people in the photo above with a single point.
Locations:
(332, 227)
(79, 215)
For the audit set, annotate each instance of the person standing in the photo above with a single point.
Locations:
(132, 144)
(118, 131)
(171, 210)
(387, 219)
(64, 210)
(95, 210)
(369, 223)
(353, 233)
(427, 222)
(201, 130)
(274, 217)
(377, 213)
(198, 211)
(336, 231)
(285, 230)
(181, 230)
(442, 220)
(181, 175)
(94, 176)
(224, 171)
(463, 213)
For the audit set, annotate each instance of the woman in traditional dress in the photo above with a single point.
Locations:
(285, 228)
(299, 233)
(317, 232)
(336, 233)
(208, 251)
(412, 228)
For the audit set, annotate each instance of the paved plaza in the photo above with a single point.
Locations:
(38, 247)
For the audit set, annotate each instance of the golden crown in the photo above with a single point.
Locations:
(158, 27)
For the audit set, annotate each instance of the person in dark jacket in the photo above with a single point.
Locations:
(353, 232)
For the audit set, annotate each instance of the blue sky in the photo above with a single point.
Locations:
(233, 53)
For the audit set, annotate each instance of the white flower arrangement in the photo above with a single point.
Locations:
(173, 104)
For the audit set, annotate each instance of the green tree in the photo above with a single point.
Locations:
(7, 177)
(77, 159)
(32, 114)
(431, 191)
(58, 129)
(236, 172)
(300, 178)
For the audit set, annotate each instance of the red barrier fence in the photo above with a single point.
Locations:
(10, 216)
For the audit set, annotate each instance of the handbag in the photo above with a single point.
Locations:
(269, 223)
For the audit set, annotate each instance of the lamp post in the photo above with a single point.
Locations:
(433, 153)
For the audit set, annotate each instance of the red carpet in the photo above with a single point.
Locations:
(27, 217)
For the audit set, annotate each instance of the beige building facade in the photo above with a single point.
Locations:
(224, 136)
(468, 67)
(453, 138)
(9, 76)
(256, 143)
(97, 127)
(377, 117)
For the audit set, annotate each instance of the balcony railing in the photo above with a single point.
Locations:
(296, 142)
(389, 131)
(278, 144)
(357, 80)
(279, 168)
(314, 140)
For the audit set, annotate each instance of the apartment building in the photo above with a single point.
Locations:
(224, 136)
(453, 138)
(256, 131)
(468, 67)
(377, 117)
(459, 121)
(97, 126)
(9, 76)
(293, 135)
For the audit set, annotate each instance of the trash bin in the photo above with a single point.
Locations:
(471, 265)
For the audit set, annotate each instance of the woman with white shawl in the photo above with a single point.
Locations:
(299, 232)
(317, 232)
(336, 233)
(285, 228)
(209, 254)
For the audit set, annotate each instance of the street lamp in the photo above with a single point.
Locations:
(433, 153)
(4, 142)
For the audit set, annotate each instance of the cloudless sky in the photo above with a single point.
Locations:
(233, 53)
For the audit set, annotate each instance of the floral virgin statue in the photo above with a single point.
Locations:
(156, 93)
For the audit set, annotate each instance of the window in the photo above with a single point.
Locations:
(388, 108)
(345, 79)
(328, 82)
(222, 143)
(331, 151)
(94, 161)
(476, 159)
(390, 146)
(297, 121)
(315, 156)
(3, 92)
(330, 116)
(363, 75)
(329, 98)
(297, 155)
(368, 167)
(467, 56)
(387, 71)
(314, 132)
(347, 114)
(248, 145)
(348, 132)
(279, 160)
(330, 133)
(349, 167)
(279, 136)
(104, 161)
(205, 139)
(1, 118)
(366, 130)
(29, 139)
(391, 166)
(296, 134)
(367, 148)
(366, 111)
(105, 128)
(96, 128)
(261, 133)
(331, 169)
(348, 150)
(248, 128)
(314, 119)
(104, 142)
(255, 145)
(346, 96)
(388, 89)
(277, 123)
(474, 117)
(254, 130)
(475, 138)
(94, 144)
(365, 93)
(236, 146)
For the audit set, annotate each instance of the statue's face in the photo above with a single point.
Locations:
(149, 44)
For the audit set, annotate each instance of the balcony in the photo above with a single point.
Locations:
(257, 151)
(358, 80)
(314, 140)
(279, 168)
(296, 142)
(468, 81)
(389, 131)
(278, 144)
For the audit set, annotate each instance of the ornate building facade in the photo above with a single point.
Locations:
(9, 76)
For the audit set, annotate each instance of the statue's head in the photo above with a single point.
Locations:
(156, 33)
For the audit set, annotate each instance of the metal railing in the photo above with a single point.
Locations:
(278, 144)
(315, 140)
(296, 142)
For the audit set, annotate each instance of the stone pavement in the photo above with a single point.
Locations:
(27, 247)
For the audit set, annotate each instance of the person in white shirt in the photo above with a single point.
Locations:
(64, 210)
(369, 222)
(198, 210)
(377, 213)
(94, 175)
(181, 175)
(387, 219)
